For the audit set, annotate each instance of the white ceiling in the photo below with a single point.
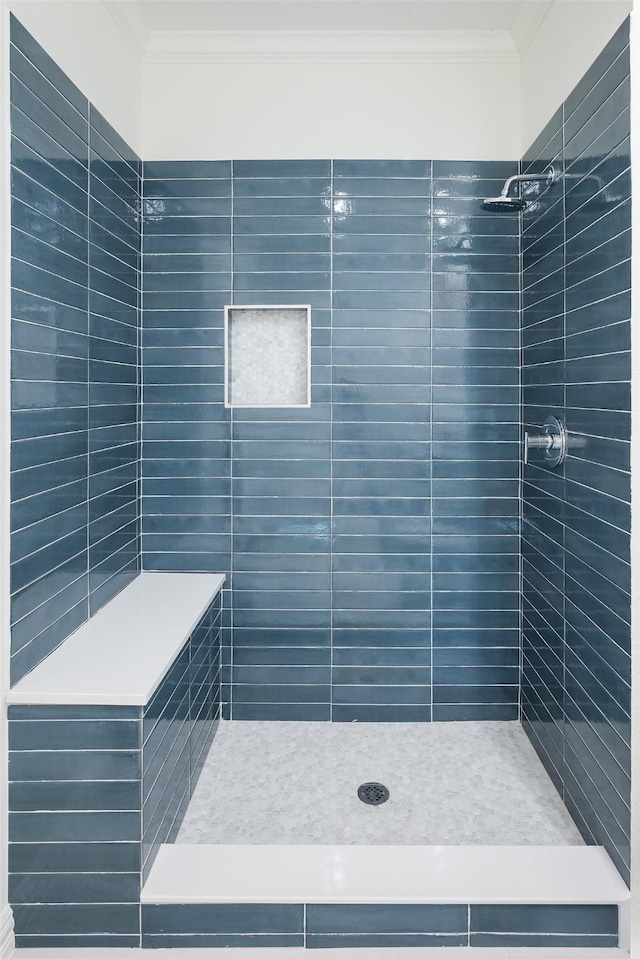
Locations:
(514, 21)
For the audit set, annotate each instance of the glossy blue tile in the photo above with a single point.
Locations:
(221, 940)
(30, 213)
(484, 712)
(159, 225)
(192, 919)
(42, 734)
(29, 141)
(32, 766)
(382, 712)
(307, 693)
(381, 168)
(281, 168)
(616, 74)
(186, 169)
(76, 857)
(48, 92)
(189, 206)
(281, 281)
(598, 119)
(506, 940)
(380, 186)
(474, 169)
(110, 135)
(78, 941)
(27, 102)
(55, 920)
(116, 178)
(585, 920)
(612, 143)
(187, 186)
(75, 826)
(79, 888)
(384, 940)
(282, 711)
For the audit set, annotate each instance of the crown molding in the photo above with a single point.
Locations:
(7, 941)
(128, 16)
(490, 46)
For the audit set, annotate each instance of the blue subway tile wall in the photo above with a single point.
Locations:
(205, 682)
(381, 457)
(575, 543)
(186, 282)
(372, 539)
(75, 321)
(75, 824)
(94, 791)
(114, 329)
(569, 926)
(223, 925)
(377, 925)
(475, 452)
(165, 757)
(281, 563)
(178, 726)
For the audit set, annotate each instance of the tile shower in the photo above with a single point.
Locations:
(372, 542)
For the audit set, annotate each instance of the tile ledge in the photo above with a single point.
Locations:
(384, 874)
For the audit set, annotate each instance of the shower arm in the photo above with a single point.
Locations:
(548, 177)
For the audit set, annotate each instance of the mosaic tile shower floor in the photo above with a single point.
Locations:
(450, 784)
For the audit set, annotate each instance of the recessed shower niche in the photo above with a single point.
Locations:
(267, 356)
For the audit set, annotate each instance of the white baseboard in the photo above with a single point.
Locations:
(7, 942)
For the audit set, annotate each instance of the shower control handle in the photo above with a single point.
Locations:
(553, 441)
(541, 441)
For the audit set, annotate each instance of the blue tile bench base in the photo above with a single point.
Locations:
(190, 925)
(95, 790)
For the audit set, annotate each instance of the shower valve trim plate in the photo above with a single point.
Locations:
(553, 440)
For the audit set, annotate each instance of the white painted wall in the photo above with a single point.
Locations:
(88, 44)
(322, 109)
(569, 39)
(203, 108)
(175, 110)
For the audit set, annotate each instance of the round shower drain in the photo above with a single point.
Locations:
(373, 794)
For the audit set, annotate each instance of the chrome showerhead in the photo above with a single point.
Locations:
(504, 204)
(514, 204)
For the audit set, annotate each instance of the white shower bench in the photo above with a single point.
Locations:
(107, 737)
